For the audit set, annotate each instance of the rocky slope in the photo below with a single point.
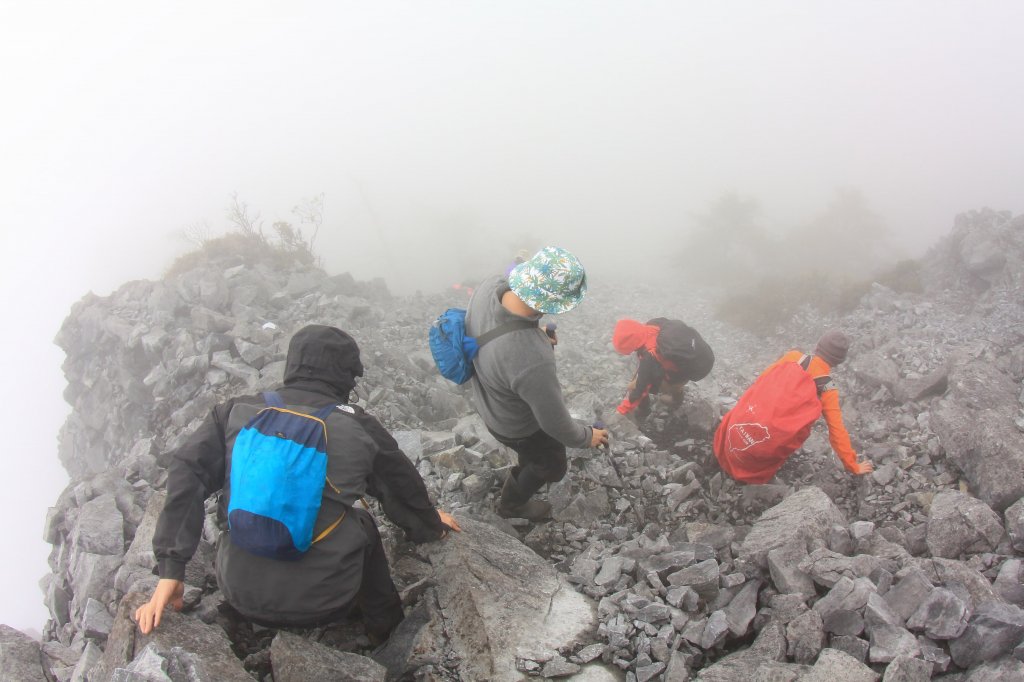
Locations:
(655, 565)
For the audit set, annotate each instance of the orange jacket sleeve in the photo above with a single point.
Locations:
(838, 436)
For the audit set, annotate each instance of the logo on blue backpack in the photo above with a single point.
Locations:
(278, 473)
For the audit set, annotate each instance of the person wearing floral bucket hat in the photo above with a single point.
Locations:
(515, 385)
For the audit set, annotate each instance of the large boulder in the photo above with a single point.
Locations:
(19, 657)
(181, 639)
(803, 516)
(975, 424)
(297, 659)
(960, 524)
(494, 596)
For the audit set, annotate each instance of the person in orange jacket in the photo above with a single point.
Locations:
(829, 352)
(670, 355)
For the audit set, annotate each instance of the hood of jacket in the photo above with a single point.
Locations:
(630, 336)
(323, 358)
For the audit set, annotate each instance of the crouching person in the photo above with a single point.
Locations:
(669, 353)
(293, 464)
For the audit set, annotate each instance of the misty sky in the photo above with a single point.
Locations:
(600, 126)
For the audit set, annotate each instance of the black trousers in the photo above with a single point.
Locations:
(378, 598)
(541, 460)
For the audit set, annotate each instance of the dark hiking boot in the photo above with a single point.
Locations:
(513, 505)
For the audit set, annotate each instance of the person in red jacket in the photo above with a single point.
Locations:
(670, 355)
(829, 352)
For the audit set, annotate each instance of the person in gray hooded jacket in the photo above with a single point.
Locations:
(515, 385)
(347, 566)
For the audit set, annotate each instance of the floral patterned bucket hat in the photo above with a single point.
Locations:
(552, 282)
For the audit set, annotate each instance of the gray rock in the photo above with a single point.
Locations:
(148, 665)
(993, 631)
(1009, 584)
(875, 370)
(409, 442)
(296, 659)
(19, 657)
(207, 643)
(91, 655)
(1015, 524)
(742, 609)
(806, 637)
(877, 612)
(838, 666)
(846, 594)
(715, 630)
(784, 567)
(854, 646)
(417, 640)
(888, 642)
(844, 622)
(906, 596)
(1000, 670)
(957, 575)
(100, 528)
(96, 622)
(975, 423)
(611, 569)
(762, 661)
(826, 567)
(493, 592)
(935, 655)
(907, 669)
(931, 384)
(942, 615)
(702, 578)
(805, 515)
(960, 524)
(559, 667)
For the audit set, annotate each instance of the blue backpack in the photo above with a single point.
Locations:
(278, 475)
(454, 351)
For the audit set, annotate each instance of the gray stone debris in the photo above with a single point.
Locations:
(656, 564)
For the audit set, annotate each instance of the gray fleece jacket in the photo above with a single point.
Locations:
(515, 385)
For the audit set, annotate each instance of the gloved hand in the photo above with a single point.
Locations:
(863, 467)
(167, 591)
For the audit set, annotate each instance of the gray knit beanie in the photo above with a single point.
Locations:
(832, 347)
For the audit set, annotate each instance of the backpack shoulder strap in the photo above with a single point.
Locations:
(272, 399)
(822, 383)
(324, 412)
(501, 329)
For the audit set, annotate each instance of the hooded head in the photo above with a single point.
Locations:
(324, 354)
(551, 282)
(832, 347)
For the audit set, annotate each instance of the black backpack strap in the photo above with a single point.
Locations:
(822, 383)
(501, 329)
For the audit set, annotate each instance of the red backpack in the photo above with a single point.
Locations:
(769, 422)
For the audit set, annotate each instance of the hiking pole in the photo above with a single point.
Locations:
(599, 424)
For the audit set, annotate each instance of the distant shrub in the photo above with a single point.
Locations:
(239, 249)
(247, 244)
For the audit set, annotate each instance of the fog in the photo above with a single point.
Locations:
(445, 136)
